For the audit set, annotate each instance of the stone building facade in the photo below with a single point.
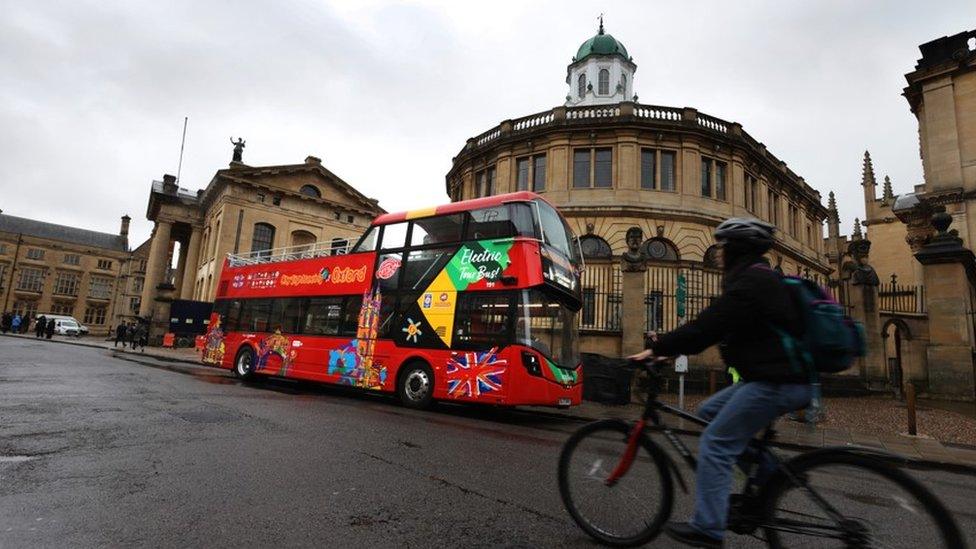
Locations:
(610, 164)
(244, 209)
(925, 300)
(55, 269)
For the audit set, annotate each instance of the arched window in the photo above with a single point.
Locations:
(660, 249)
(581, 86)
(604, 82)
(302, 240)
(263, 238)
(711, 259)
(310, 190)
(623, 84)
(595, 247)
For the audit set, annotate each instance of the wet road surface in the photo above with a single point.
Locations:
(98, 450)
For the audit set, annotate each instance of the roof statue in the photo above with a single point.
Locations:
(238, 149)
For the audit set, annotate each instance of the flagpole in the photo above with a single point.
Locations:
(179, 168)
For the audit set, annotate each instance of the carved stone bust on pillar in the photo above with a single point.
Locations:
(863, 274)
(633, 259)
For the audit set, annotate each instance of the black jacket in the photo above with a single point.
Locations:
(753, 300)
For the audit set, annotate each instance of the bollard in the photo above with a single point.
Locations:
(711, 382)
(910, 407)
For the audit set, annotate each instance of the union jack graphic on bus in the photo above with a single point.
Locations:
(472, 373)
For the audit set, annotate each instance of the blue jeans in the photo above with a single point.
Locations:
(737, 413)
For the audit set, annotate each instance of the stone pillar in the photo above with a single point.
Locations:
(192, 254)
(633, 265)
(864, 299)
(156, 265)
(949, 275)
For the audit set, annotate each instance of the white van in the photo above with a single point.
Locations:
(66, 325)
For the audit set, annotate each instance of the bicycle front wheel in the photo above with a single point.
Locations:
(844, 499)
(632, 510)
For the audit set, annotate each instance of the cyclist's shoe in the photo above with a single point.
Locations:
(683, 532)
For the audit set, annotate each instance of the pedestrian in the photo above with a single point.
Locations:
(120, 334)
(5, 322)
(15, 323)
(143, 336)
(133, 335)
(40, 325)
(49, 327)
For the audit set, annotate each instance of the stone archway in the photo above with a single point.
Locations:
(894, 335)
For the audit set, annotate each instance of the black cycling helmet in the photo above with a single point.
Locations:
(746, 230)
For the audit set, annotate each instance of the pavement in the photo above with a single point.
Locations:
(921, 451)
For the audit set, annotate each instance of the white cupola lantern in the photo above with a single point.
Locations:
(601, 73)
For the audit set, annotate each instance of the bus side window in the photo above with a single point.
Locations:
(481, 320)
(350, 317)
(230, 319)
(292, 310)
(260, 315)
(324, 316)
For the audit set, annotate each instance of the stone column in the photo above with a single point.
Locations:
(192, 254)
(949, 272)
(156, 265)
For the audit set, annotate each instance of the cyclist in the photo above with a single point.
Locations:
(754, 305)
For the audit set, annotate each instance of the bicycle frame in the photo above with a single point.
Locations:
(652, 415)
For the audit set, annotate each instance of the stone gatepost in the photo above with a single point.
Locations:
(159, 322)
(633, 265)
(949, 274)
(864, 299)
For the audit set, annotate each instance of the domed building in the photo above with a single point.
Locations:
(611, 164)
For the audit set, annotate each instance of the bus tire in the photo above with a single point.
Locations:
(415, 385)
(244, 363)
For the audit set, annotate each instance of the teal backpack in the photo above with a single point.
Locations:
(831, 340)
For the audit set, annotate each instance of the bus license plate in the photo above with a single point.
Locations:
(565, 402)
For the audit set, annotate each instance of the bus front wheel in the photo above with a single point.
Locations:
(415, 385)
(244, 363)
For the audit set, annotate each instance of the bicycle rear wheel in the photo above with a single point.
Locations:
(881, 506)
(633, 510)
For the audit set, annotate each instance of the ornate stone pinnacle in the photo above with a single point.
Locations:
(887, 195)
(856, 234)
(832, 206)
(867, 172)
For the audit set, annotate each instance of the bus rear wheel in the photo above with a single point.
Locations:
(244, 363)
(415, 385)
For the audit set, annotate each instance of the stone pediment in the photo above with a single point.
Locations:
(290, 179)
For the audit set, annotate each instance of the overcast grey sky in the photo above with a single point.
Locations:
(93, 93)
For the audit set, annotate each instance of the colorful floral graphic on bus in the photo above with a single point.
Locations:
(412, 329)
(353, 362)
(275, 345)
(473, 374)
(213, 347)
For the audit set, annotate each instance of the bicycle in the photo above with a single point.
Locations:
(614, 467)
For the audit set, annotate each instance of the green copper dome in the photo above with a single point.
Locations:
(601, 44)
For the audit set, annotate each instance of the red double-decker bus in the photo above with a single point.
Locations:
(472, 301)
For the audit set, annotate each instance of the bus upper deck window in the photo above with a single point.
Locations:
(523, 219)
(494, 222)
(394, 236)
(368, 242)
(437, 229)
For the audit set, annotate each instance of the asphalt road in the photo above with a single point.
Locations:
(96, 450)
